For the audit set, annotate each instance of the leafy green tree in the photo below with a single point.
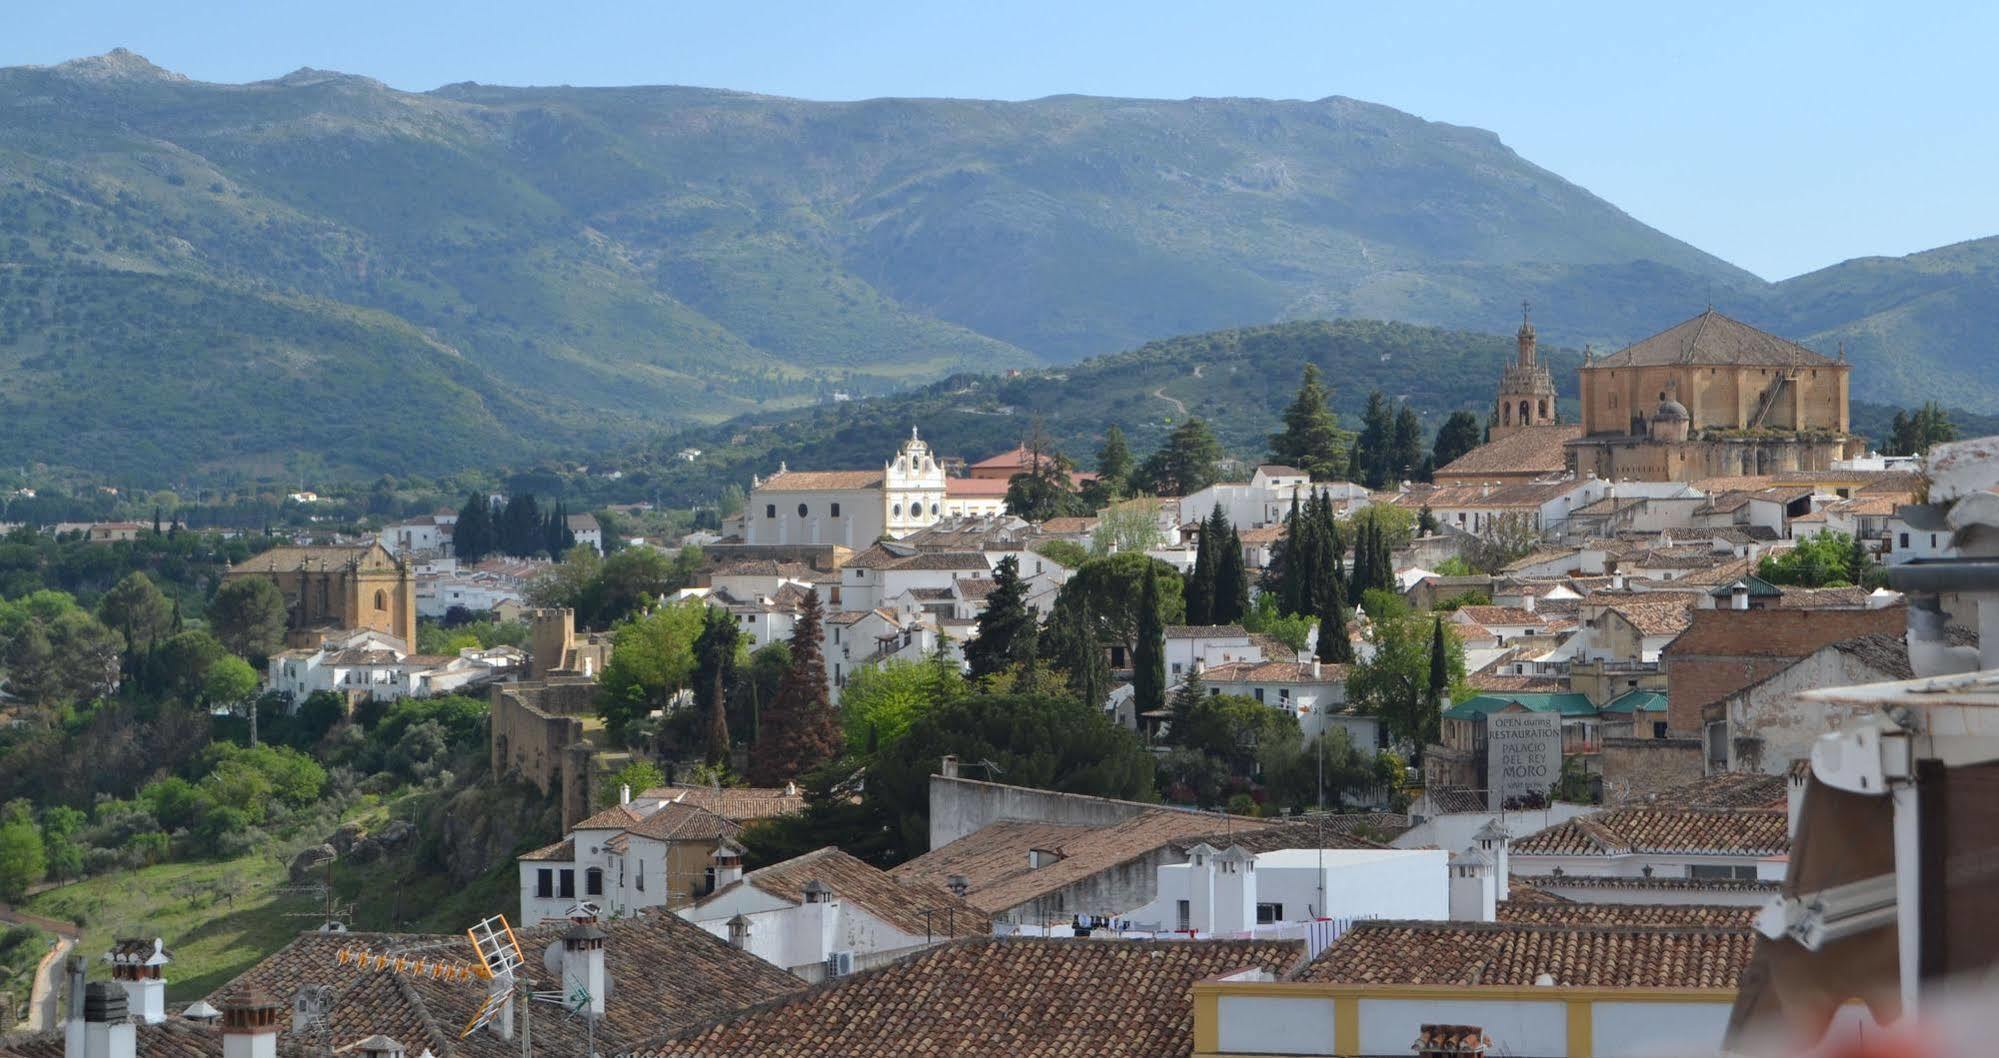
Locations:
(1148, 675)
(1044, 490)
(1394, 682)
(1129, 526)
(180, 666)
(230, 682)
(1036, 741)
(1503, 540)
(1106, 592)
(1231, 729)
(1460, 434)
(249, 617)
(800, 729)
(880, 703)
(1068, 553)
(634, 579)
(1007, 627)
(1822, 560)
(23, 860)
(564, 583)
(1070, 643)
(139, 612)
(1311, 439)
(1264, 616)
(1185, 464)
(639, 775)
(652, 657)
(1300, 774)
(61, 826)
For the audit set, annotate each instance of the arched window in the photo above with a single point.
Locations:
(934, 508)
(381, 599)
(1544, 407)
(898, 510)
(1524, 414)
(1506, 414)
(801, 510)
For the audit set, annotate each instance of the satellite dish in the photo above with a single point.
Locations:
(551, 958)
(333, 926)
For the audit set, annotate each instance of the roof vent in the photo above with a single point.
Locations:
(959, 885)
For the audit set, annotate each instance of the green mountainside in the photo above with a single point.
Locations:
(206, 279)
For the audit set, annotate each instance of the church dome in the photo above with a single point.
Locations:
(1671, 410)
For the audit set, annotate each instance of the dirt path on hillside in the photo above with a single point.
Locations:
(1175, 401)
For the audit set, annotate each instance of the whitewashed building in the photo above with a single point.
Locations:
(852, 508)
(1226, 891)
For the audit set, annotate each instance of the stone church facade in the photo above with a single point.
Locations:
(1712, 397)
(331, 589)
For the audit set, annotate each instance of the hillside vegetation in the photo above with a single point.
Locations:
(214, 278)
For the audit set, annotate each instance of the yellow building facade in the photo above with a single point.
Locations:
(337, 588)
(1712, 397)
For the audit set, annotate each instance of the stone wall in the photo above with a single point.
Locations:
(531, 732)
(1635, 767)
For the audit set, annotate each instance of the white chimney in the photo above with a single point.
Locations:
(1471, 897)
(1527, 600)
(728, 863)
(72, 1044)
(1235, 891)
(739, 932)
(1738, 596)
(107, 1030)
(1318, 671)
(949, 768)
(378, 1046)
(821, 914)
(250, 1024)
(137, 965)
(1494, 840)
(583, 965)
(1200, 888)
(625, 793)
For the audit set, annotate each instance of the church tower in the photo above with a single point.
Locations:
(1526, 389)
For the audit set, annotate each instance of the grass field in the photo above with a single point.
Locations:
(21, 949)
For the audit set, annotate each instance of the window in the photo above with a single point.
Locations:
(708, 880)
(1712, 872)
(836, 510)
(642, 876)
(1184, 912)
(568, 888)
(1176, 668)
(1904, 545)
(1658, 729)
(1258, 692)
(381, 600)
(1269, 913)
(544, 883)
(896, 510)
(770, 510)
(593, 882)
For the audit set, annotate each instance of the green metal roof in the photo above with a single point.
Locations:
(1758, 588)
(1637, 702)
(1565, 703)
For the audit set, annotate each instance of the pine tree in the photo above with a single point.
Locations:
(1148, 659)
(1070, 643)
(1375, 450)
(1426, 522)
(1186, 699)
(800, 730)
(1007, 629)
(472, 538)
(1335, 647)
(1231, 583)
(1311, 439)
(1406, 450)
(1460, 433)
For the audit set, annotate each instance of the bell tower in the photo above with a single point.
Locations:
(1526, 388)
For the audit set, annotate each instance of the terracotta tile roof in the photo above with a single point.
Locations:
(1644, 885)
(1484, 680)
(1722, 916)
(816, 480)
(175, 1037)
(1274, 672)
(763, 567)
(1523, 496)
(291, 559)
(1714, 339)
(994, 858)
(616, 817)
(1523, 895)
(561, 850)
(1513, 953)
(1068, 525)
(1888, 655)
(1534, 450)
(1776, 632)
(975, 486)
(1019, 997)
(1655, 613)
(1266, 534)
(1302, 835)
(738, 803)
(670, 974)
(969, 588)
(1851, 598)
(1206, 632)
(1742, 484)
(1498, 615)
(1662, 830)
(899, 902)
(1729, 789)
(684, 822)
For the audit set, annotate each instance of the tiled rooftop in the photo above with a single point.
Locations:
(900, 903)
(1624, 831)
(1518, 953)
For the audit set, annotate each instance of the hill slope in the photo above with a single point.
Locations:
(590, 263)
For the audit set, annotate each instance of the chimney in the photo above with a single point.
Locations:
(739, 932)
(250, 1024)
(378, 1046)
(73, 1046)
(1494, 840)
(1318, 670)
(959, 885)
(1235, 891)
(1617, 582)
(822, 916)
(1738, 596)
(1450, 1041)
(625, 793)
(583, 966)
(728, 863)
(949, 770)
(136, 964)
(1527, 600)
(1471, 891)
(107, 1030)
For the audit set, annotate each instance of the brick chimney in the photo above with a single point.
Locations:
(137, 964)
(108, 1031)
(250, 1024)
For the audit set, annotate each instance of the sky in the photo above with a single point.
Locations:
(1780, 136)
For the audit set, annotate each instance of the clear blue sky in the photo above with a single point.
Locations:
(1783, 138)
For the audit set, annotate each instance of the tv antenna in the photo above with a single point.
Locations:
(333, 915)
(498, 966)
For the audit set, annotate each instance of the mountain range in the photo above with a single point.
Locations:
(322, 272)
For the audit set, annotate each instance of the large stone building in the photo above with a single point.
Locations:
(337, 588)
(1711, 397)
(854, 508)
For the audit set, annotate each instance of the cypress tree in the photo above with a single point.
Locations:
(801, 729)
(1334, 645)
(1200, 588)
(1231, 583)
(1440, 680)
(1007, 630)
(1361, 577)
(472, 537)
(718, 723)
(1071, 643)
(1148, 658)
